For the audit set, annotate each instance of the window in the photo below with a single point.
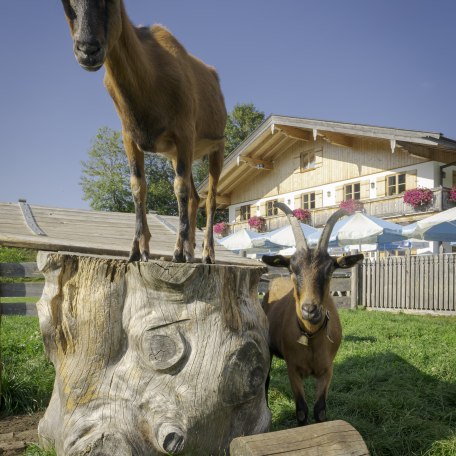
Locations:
(396, 184)
(308, 201)
(352, 192)
(307, 160)
(245, 212)
(270, 209)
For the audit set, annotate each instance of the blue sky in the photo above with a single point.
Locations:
(389, 63)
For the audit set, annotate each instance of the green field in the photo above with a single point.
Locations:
(394, 380)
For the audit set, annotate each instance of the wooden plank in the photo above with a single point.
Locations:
(20, 290)
(445, 284)
(412, 282)
(451, 283)
(441, 281)
(27, 270)
(332, 438)
(18, 308)
(340, 284)
(427, 303)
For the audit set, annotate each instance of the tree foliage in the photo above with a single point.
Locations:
(105, 177)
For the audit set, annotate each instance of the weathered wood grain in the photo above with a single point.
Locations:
(332, 438)
(152, 358)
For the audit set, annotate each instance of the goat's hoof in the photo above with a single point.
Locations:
(145, 256)
(208, 260)
(134, 256)
(178, 258)
(189, 258)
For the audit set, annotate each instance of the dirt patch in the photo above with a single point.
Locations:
(16, 432)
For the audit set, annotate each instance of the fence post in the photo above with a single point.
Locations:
(354, 283)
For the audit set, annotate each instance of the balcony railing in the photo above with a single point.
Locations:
(390, 207)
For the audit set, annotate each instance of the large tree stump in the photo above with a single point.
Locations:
(152, 358)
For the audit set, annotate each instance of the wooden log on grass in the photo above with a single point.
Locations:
(332, 438)
(152, 358)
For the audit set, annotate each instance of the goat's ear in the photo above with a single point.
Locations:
(276, 260)
(348, 261)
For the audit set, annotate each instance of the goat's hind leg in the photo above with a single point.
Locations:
(140, 246)
(215, 169)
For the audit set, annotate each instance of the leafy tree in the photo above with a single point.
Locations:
(105, 177)
(241, 122)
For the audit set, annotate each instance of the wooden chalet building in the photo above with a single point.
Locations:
(315, 164)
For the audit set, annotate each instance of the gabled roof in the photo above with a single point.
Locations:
(264, 144)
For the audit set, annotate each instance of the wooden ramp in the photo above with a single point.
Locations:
(93, 232)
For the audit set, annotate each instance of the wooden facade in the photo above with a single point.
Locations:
(317, 165)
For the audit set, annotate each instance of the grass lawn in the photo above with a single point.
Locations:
(394, 380)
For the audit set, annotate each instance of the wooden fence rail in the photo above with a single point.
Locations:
(423, 283)
(21, 289)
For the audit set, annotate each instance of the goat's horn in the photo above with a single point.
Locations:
(300, 239)
(327, 230)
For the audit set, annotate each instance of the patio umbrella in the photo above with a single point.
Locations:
(250, 241)
(284, 236)
(359, 228)
(437, 227)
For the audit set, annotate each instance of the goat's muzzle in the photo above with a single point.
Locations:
(312, 313)
(90, 55)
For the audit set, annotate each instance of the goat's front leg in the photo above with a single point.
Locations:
(140, 246)
(215, 169)
(302, 411)
(322, 385)
(185, 243)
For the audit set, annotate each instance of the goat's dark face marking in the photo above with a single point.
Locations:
(93, 23)
(311, 273)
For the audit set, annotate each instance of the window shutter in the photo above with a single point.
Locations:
(410, 179)
(318, 199)
(262, 209)
(237, 213)
(381, 186)
(318, 158)
(365, 192)
(339, 194)
(298, 201)
(253, 210)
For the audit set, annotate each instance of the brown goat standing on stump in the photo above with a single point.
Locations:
(168, 101)
(304, 326)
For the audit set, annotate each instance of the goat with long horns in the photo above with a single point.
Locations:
(304, 325)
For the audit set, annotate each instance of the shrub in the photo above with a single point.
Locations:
(452, 195)
(303, 215)
(418, 197)
(257, 223)
(221, 228)
(351, 205)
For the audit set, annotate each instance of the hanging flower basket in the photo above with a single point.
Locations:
(303, 215)
(419, 198)
(257, 223)
(221, 229)
(351, 205)
(452, 195)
